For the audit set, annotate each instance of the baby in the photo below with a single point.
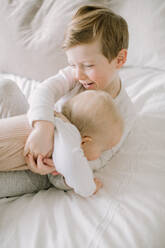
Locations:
(100, 126)
(91, 114)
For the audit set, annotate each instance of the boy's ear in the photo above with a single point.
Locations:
(121, 58)
(85, 139)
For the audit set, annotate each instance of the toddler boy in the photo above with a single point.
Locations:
(96, 43)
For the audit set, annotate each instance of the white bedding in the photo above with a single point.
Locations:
(129, 211)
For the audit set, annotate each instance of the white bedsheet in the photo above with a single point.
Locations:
(129, 211)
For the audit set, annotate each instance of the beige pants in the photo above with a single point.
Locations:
(14, 129)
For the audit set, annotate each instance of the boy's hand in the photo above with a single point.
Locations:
(40, 140)
(99, 185)
(41, 166)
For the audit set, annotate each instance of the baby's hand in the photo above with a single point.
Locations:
(99, 185)
(40, 140)
(39, 166)
(49, 162)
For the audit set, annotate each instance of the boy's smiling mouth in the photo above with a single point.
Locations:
(87, 85)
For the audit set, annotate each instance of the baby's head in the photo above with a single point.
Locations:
(91, 23)
(98, 120)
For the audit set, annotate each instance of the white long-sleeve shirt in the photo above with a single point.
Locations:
(52, 94)
(45, 96)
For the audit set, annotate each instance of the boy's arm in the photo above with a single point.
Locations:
(48, 93)
(41, 112)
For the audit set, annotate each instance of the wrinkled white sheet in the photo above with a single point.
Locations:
(129, 211)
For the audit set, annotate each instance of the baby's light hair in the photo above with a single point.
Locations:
(97, 22)
(93, 113)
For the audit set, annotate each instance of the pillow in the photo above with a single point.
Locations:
(146, 22)
(32, 32)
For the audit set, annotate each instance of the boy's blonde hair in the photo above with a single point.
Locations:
(93, 113)
(96, 22)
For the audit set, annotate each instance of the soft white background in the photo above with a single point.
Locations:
(32, 34)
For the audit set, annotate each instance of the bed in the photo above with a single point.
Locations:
(129, 211)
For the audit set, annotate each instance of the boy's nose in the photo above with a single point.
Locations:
(80, 75)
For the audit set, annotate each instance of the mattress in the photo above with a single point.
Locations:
(129, 211)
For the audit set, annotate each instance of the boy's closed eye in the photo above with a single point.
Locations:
(88, 66)
(85, 65)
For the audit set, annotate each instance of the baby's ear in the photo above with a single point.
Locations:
(85, 139)
(121, 58)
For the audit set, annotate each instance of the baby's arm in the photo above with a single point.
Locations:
(41, 115)
(77, 173)
(58, 180)
(70, 160)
